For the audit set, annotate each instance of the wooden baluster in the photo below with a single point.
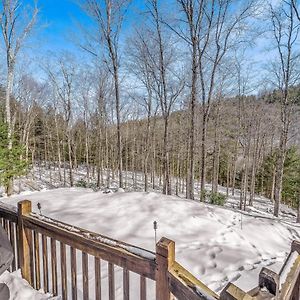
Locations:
(125, 284)
(165, 257)
(45, 263)
(18, 243)
(111, 281)
(13, 244)
(29, 234)
(296, 293)
(63, 271)
(143, 289)
(74, 273)
(37, 260)
(8, 229)
(54, 266)
(97, 278)
(5, 226)
(85, 277)
(25, 241)
(9, 238)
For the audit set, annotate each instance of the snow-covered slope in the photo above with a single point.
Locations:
(216, 244)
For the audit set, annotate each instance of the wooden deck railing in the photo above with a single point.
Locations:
(50, 253)
(70, 261)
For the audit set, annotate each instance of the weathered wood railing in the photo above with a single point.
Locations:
(282, 286)
(50, 253)
(9, 221)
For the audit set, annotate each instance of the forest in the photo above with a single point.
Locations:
(178, 98)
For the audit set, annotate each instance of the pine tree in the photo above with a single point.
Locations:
(11, 163)
(266, 175)
(291, 180)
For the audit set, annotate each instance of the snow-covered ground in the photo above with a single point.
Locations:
(20, 288)
(216, 244)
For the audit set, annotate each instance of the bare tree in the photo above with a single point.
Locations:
(109, 16)
(285, 34)
(14, 31)
(193, 12)
(29, 93)
(166, 91)
(140, 66)
(63, 80)
(210, 27)
(296, 8)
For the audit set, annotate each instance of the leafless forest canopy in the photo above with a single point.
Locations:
(194, 93)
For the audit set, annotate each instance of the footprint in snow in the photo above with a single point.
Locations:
(219, 249)
(211, 265)
(202, 270)
(241, 268)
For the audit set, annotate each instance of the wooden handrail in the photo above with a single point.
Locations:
(38, 220)
(186, 286)
(127, 256)
(289, 287)
(8, 212)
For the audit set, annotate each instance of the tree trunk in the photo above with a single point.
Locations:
(70, 158)
(279, 170)
(203, 156)
(9, 85)
(234, 162)
(118, 113)
(216, 155)
(246, 175)
(190, 176)
(228, 178)
(166, 164)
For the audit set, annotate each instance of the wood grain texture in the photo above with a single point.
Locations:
(54, 266)
(63, 268)
(45, 263)
(116, 255)
(111, 281)
(143, 288)
(97, 278)
(37, 262)
(85, 276)
(125, 284)
(73, 273)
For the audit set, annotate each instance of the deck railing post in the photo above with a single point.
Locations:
(270, 280)
(296, 293)
(25, 241)
(165, 257)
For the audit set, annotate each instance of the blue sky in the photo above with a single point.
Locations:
(58, 28)
(58, 21)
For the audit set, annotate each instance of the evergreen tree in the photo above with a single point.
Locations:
(291, 180)
(265, 176)
(11, 163)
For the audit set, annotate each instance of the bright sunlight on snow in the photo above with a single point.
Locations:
(216, 244)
